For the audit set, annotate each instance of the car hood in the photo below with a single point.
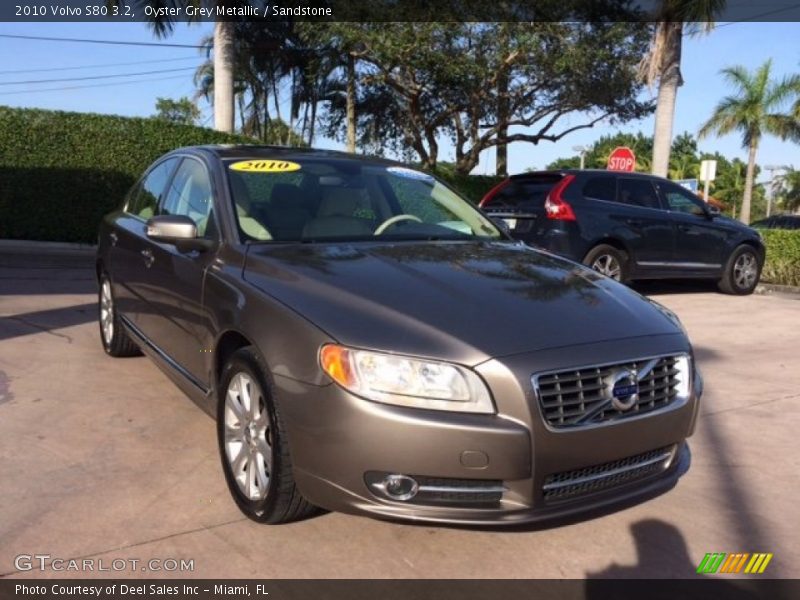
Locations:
(460, 301)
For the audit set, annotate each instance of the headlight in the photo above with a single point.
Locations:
(404, 381)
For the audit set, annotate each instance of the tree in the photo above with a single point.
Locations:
(754, 109)
(662, 66)
(421, 81)
(164, 24)
(789, 182)
(182, 110)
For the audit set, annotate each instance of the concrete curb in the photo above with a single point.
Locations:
(774, 288)
(34, 247)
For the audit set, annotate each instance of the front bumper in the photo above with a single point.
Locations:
(339, 442)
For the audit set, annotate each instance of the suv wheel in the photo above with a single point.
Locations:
(609, 261)
(742, 272)
(116, 341)
(252, 444)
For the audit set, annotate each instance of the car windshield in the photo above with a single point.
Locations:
(320, 199)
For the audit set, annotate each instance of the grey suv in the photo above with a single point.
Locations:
(371, 343)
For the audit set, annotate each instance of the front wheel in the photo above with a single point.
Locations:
(742, 272)
(609, 261)
(252, 444)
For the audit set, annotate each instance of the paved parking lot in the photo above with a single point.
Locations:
(104, 458)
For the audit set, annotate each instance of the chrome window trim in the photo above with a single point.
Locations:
(679, 401)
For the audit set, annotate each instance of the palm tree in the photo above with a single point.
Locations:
(754, 110)
(662, 66)
(163, 26)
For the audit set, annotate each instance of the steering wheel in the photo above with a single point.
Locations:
(395, 219)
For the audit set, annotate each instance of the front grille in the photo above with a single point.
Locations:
(589, 480)
(583, 396)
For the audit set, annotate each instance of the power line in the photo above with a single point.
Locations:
(94, 85)
(33, 81)
(111, 42)
(103, 66)
(769, 13)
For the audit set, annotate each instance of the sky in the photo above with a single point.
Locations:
(738, 43)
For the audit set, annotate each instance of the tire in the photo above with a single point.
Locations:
(116, 341)
(609, 261)
(252, 444)
(742, 272)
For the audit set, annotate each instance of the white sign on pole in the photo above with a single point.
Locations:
(708, 170)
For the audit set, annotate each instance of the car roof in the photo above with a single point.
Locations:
(563, 172)
(250, 151)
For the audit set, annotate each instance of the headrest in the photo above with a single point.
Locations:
(340, 201)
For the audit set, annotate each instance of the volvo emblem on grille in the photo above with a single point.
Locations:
(622, 388)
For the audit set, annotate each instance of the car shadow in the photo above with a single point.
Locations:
(48, 321)
(674, 286)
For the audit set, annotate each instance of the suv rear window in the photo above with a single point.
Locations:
(526, 191)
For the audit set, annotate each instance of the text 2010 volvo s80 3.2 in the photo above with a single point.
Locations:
(369, 342)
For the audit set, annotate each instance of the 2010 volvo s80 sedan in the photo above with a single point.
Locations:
(371, 343)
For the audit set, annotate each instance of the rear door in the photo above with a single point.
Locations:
(638, 220)
(129, 244)
(520, 203)
(700, 244)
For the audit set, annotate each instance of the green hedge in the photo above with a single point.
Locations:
(783, 256)
(61, 171)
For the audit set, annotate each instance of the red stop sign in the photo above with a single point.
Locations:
(622, 159)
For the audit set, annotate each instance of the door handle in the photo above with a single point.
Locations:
(148, 257)
(113, 237)
(634, 222)
(685, 227)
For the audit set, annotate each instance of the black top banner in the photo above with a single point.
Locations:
(175, 11)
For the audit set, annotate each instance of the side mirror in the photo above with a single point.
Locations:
(178, 230)
(712, 211)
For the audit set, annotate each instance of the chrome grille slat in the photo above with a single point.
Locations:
(568, 398)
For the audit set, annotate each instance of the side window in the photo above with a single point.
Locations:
(190, 195)
(637, 192)
(680, 200)
(601, 188)
(143, 201)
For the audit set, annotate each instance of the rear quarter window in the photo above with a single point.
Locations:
(528, 192)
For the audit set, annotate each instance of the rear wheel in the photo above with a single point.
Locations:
(609, 261)
(252, 444)
(116, 341)
(742, 272)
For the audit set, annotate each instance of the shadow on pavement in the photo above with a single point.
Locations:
(675, 286)
(661, 553)
(51, 320)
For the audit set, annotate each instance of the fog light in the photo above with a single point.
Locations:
(400, 487)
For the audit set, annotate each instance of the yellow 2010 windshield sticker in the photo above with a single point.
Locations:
(265, 166)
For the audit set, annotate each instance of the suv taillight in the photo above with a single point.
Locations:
(555, 206)
(493, 192)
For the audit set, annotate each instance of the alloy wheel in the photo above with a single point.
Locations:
(106, 312)
(248, 446)
(608, 266)
(745, 271)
